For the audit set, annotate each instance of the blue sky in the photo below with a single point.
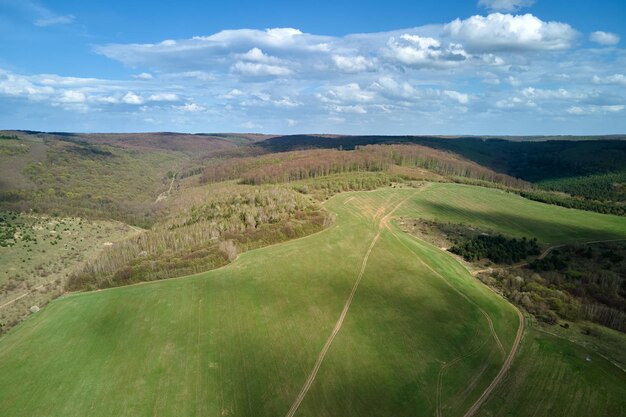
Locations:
(516, 67)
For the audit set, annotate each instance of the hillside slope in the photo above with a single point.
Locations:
(415, 337)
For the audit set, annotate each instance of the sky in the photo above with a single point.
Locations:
(448, 67)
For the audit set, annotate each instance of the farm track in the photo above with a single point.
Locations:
(505, 367)
(383, 223)
(509, 358)
(438, 411)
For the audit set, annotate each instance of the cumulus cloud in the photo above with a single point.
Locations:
(221, 48)
(353, 64)
(604, 38)
(257, 69)
(282, 52)
(348, 93)
(393, 89)
(417, 51)
(404, 80)
(505, 5)
(68, 92)
(132, 98)
(506, 32)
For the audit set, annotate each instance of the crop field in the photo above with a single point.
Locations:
(554, 377)
(499, 211)
(359, 319)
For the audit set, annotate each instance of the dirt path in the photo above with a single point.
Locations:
(320, 359)
(442, 371)
(27, 293)
(505, 367)
(518, 337)
(167, 193)
(438, 410)
(509, 358)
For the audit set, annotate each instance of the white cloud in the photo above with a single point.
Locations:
(455, 95)
(424, 52)
(418, 79)
(257, 55)
(143, 76)
(356, 109)
(348, 93)
(604, 38)
(164, 97)
(506, 32)
(591, 110)
(505, 5)
(190, 108)
(389, 87)
(616, 79)
(353, 64)
(132, 98)
(258, 70)
(235, 92)
(72, 96)
(55, 20)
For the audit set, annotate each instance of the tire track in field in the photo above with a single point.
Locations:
(438, 412)
(505, 367)
(438, 402)
(320, 359)
(469, 300)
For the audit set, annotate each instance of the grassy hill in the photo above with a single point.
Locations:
(420, 335)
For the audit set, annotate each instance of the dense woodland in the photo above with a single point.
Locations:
(584, 282)
(564, 200)
(593, 169)
(300, 165)
(498, 249)
(600, 187)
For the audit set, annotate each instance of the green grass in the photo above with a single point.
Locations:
(506, 213)
(242, 340)
(552, 377)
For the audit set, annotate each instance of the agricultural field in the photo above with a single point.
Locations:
(554, 377)
(358, 319)
(496, 211)
(38, 253)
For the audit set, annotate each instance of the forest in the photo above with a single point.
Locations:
(498, 249)
(300, 165)
(575, 282)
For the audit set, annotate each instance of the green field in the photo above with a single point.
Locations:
(507, 213)
(243, 339)
(553, 377)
